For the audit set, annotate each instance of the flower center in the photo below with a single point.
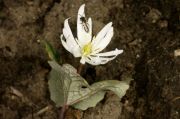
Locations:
(86, 50)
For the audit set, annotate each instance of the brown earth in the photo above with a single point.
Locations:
(147, 30)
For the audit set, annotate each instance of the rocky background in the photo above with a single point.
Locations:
(147, 30)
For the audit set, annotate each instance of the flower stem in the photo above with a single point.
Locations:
(80, 68)
(63, 111)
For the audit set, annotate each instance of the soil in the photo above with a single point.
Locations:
(147, 30)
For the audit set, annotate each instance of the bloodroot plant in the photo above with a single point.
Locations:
(86, 46)
(66, 86)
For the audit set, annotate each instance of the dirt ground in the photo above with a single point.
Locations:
(147, 30)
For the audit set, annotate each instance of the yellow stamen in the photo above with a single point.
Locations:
(87, 49)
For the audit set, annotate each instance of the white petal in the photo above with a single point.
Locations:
(103, 38)
(64, 44)
(81, 11)
(90, 26)
(101, 34)
(110, 53)
(98, 60)
(82, 61)
(106, 40)
(103, 58)
(84, 37)
(69, 42)
(93, 60)
(67, 32)
(75, 50)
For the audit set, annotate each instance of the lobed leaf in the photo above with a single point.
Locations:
(69, 88)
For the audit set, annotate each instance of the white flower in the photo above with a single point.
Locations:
(84, 45)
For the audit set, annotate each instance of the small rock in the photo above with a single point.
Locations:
(153, 15)
(177, 53)
(163, 24)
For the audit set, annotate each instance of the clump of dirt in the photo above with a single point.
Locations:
(147, 31)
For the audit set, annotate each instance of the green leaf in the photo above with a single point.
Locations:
(58, 82)
(53, 55)
(64, 84)
(69, 88)
(118, 87)
(91, 101)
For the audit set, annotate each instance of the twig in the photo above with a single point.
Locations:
(63, 111)
(175, 99)
(43, 110)
(16, 92)
(23, 98)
